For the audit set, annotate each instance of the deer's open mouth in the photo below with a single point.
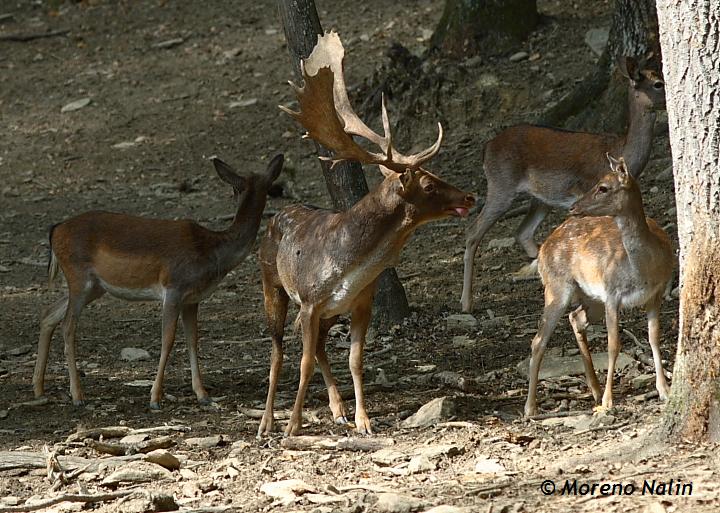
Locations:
(459, 211)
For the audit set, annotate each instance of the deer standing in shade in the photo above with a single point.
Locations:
(137, 259)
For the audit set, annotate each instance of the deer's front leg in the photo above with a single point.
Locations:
(337, 407)
(359, 323)
(170, 314)
(653, 316)
(310, 323)
(613, 331)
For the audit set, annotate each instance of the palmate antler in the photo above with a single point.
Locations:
(329, 119)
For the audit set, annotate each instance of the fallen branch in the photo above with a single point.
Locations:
(96, 433)
(256, 413)
(552, 415)
(102, 497)
(602, 428)
(309, 443)
(24, 37)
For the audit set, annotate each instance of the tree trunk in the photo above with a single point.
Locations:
(690, 36)
(468, 27)
(599, 102)
(345, 182)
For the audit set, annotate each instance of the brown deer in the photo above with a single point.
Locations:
(139, 259)
(555, 167)
(617, 258)
(328, 262)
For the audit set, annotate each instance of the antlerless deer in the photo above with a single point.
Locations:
(617, 259)
(135, 258)
(555, 167)
(328, 262)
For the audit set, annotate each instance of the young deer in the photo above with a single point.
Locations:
(555, 167)
(138, 259)
(617, 258)
(328, 262)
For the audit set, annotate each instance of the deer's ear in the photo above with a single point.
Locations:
(614, 163)
(629, 68)
(623, 173)
(227, 174)
(387, 173)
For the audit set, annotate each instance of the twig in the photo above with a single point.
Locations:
(552, 415)
(304, 443)
(22, 38)
(487, 491)
(102, 497)
(120, 449)
(602, 428)
(455, 424)
(256, 413)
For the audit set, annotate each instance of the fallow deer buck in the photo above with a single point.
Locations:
(328, 262)
(617, 258)
(555, 167)
(139, 259)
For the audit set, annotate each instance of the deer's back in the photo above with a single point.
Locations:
(556, 166)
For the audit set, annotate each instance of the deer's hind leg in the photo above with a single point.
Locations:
(49, 320)
(580, 319)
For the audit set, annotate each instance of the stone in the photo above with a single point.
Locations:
(163, 458)
(597, 38)
(461, 321)
(463, 342)
(435, 452)
(76, 105)
(643, 380)
(397, 503)
(489, 466)
(137, 472)
(505, 242)
(387, 456)
(134, 354)
(205, 442)
(519, 56)
(431, 413)
(287, 490)
(557, 366)
(420, 463)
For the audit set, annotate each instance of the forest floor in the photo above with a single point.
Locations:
(171, 83)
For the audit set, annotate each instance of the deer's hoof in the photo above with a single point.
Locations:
(78, 403)
(154, 405)
(341, 421)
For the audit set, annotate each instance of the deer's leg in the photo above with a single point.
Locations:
(51, 317)
(653, 316)
(310, 323)
(170, 314)
(276, 306)
(556, 301)
(336, 403)
(190, 328)
(579, 322)
(497, 202)
(613, 332)
(526, 231)
(78, 297)
(359, 322)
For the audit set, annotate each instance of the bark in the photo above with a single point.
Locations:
(599, 102)
(690, 37)
(469, 27)
(345, 182)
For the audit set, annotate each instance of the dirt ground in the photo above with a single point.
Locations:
(173, 82)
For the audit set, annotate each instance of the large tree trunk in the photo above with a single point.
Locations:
(484, 26)
(690, 36)
(346, 181)
(599, 102)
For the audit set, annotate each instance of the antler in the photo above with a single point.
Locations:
(326, 113)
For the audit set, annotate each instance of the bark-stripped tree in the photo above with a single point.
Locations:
(345, 181)
(599, 102)
(690, 38)
(484, 26)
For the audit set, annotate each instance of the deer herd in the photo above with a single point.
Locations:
(605, 257)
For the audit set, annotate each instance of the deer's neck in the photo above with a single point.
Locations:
(637, 238)
(380, 224)
(638, 141)
(237, 240)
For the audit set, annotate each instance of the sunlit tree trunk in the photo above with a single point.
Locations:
(346, 181)
(690, 38)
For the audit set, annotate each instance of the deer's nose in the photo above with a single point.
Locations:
(469, 200)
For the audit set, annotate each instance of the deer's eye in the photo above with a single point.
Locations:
(658, 85)
(602, 189)
(429, 187)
